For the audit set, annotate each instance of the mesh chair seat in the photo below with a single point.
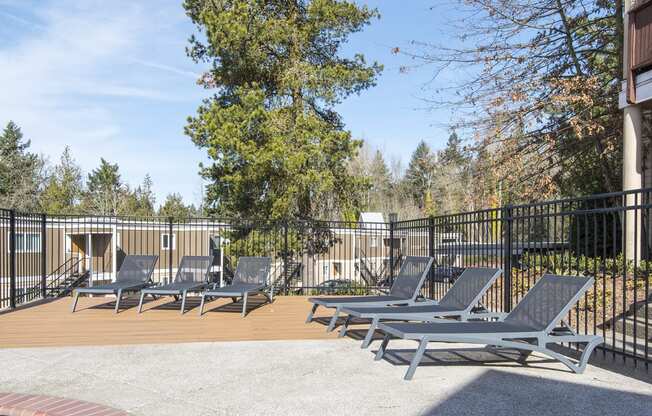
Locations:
(468, 287)
(410, 277)
(535, 317)
(234, 288)
(136, 268)
(354, 299)
(543, 304)
(421, 309)
(419, 329)
(250, 277)
(192, 275)
(134, 274)
(173, 288)
(113, 287)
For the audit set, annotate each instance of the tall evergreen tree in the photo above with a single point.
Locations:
(174, 207)
(453, 152)
(64, 187)
(104, 190)
(139, 202)
(381, 183)
(278, 147)
(419, 176)
(21, 172)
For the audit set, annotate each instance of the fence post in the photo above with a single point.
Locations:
(43, 256)
(431, 253)
(391, 249)
(507, 258)
(12, 259)
(171, 244)
(285, 258)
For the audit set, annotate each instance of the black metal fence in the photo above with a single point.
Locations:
(606, 236)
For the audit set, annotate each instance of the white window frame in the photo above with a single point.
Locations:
(374, 242)
(174, 241)
(24, 249)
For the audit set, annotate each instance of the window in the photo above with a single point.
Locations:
(27, 243)
(373, 243)
(337, 269)
(326, 270)
(165, 241)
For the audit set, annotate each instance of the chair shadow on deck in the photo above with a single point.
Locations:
(253, 303)
(325, 321)
(127, 303)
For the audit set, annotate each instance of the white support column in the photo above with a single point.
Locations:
(89, 257)
(632, 160)
(632, 178)
(114, 252)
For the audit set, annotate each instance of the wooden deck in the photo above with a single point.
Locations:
(52, 324)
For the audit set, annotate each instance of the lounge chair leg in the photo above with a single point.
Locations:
(333, 321)
(234, 299)
(183, 302)
(382, 348)
(74, 302)
(312, 313)
(201, 305)
(244, 305)
(586, 354)
(344, 326)
(117, 301)
(416, 360)
(140, 304)
(370, 333)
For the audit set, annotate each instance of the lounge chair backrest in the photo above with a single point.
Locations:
(411, 276)
(469, 288)
(252, 270)
(136, 268)
(549, 301)
(194, 269)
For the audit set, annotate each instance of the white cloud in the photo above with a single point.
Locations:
(94, 75)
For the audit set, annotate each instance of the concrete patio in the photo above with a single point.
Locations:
(333, 377)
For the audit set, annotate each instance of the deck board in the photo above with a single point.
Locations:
(52, 324)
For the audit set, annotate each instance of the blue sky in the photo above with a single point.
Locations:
(111, 79)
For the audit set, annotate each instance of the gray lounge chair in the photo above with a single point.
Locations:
(459, 302)
(404, 291)
(251, 277)
(530, 327)
(134, 275)
(192, 276)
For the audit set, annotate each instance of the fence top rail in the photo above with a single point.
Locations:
(505, 211)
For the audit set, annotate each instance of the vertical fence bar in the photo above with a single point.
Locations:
(170, 247)
(507, 258)
(43, 257)
(431, 253)
(391, 250)
(12, 259)
(285, 258)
